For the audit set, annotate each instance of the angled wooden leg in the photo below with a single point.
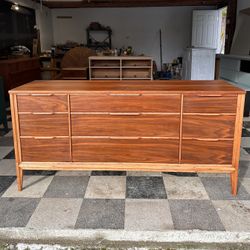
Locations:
(19, 175)
(234, 182)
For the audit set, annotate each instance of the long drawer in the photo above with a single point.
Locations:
(42, 103)
(45, 149)
(125, 103)
(126, 124)
(125, 150)
(43, 124)
(208, 126)
(209, 104)
(207, 152)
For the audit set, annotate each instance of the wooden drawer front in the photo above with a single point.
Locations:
(208, 126)
(105, 73)
(42, 103)
(207, 152)
(125, 125)
(210, 104)
(44, 125)
(129, 63)
(136, 73)
(125, 103)
(49, 150)
(125, 150)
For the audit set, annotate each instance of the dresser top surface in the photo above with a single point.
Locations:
(147, 86)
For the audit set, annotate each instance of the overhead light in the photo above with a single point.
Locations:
(15, 7)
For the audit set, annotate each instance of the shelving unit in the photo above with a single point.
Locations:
(120, 68)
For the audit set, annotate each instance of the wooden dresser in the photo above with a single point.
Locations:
(16, 72)
(172, 126)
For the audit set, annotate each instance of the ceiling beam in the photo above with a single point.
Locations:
(129, 3)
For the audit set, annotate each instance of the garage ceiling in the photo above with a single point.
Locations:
(129, 3)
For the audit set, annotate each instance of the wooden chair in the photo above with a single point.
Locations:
(75, 63)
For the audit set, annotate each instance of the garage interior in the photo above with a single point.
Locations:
(125, 49)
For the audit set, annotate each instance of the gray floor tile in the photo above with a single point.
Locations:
(178, 187)
(9, 134)
(8, 167)
(142, 173)
(5, 151)
(244, 169)
(195, 214)
(180, 174)
(101, 213)
(147, 215)
(245, 182)
(73, 173)
(33, 187)
(5, 182)
(245, 133)
(220, 189)
(16, 212)
(106, 187)
(244, 156)
(234, 214)
(6, 141)
(55, 213)
(149, 187)
(67, 187)
(108, 173)
(245, 142)
(10, 155)
(39, 172)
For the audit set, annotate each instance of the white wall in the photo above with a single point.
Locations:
(241, 42)
(43, 21)
(137, 27)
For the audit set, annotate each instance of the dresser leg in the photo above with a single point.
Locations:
(19, 173)
(234, 182)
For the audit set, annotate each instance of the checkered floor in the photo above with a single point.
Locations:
(123, 200)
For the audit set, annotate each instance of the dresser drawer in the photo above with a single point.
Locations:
(208, 126)
(207, 152)
(43, 124)
(125, 103)
(209, 104)
(125, 150)
(126, 124)
(45, 150)
(42, 103)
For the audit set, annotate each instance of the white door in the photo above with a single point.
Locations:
(206, 28)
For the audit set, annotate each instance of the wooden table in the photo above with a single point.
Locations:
(172, 126)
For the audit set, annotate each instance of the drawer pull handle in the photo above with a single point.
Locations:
(125, 94)
(125, 114)
(122, 137)
(44, 137)
(42, 113)
(210, 95)
(207, 139)
(41, 94)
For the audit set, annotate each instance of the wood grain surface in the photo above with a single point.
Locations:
(125, 103)
(208, 126)
(42, 103)
(206, 152)
(125, 150)
(45, 150)
(210, 104)
(129, 124)
(116, 86)
(44, 125)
